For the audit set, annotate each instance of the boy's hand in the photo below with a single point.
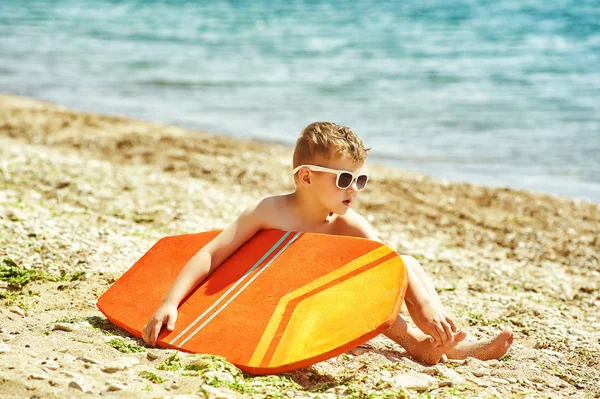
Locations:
(165, 314)
(438, 325)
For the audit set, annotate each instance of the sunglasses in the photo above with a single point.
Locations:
(344, 178)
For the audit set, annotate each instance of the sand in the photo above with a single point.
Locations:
(83, 196)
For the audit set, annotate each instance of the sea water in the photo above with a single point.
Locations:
(503, 93)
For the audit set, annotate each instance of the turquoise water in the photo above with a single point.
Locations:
(500, 93)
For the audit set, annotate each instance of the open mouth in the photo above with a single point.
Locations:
(347, 202)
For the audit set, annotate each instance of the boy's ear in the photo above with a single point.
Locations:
(304, 176)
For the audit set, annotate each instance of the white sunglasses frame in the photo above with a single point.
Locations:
(355, 176)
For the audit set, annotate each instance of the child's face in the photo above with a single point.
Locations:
(336, 200)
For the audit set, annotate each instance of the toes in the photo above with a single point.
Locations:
(460, 336)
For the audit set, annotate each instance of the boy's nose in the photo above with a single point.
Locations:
(353, 186)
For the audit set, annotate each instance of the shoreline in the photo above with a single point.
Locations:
(378, 159)
(85, 195)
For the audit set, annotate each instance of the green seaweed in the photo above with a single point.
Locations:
(172, 363)
(153, 378)
(16, 275)
(122, 346)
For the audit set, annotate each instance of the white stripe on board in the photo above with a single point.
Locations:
(261, 260)
(240, 291)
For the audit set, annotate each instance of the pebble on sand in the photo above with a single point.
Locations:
(119, 365)
(4, 348)
(415, 381)
(17, 310)
(81, 384)
(69, 327)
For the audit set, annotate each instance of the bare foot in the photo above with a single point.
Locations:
(420, 346)
(428, 351)
(493, 348)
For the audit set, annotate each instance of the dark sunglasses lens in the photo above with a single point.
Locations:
(361, 181)
(345, 180)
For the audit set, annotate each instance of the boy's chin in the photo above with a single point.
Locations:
(341, 211)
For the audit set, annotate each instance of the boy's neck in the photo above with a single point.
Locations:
(308, 211)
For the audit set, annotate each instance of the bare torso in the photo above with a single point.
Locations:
(281, 216)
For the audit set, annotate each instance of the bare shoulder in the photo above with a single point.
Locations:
(267, 210)
(355, 225)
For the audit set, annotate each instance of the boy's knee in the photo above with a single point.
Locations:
(409, 261)
(412, 265)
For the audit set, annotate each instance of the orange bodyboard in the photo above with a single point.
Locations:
(282, 301)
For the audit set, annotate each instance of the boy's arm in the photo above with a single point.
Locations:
(213, 254)
(202, 264)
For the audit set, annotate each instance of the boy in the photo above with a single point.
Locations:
(329, 172)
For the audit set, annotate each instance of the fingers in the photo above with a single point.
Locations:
(448, 330)
(154, 333)
(442, 332)
(439, 334)
(150, 332)
(172, 318)
(145, 333)
(152, 329)
(452, 324)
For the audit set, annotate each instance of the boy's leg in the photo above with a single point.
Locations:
(436, 323)
(415, 267)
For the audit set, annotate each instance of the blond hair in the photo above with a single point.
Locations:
(328, 139)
